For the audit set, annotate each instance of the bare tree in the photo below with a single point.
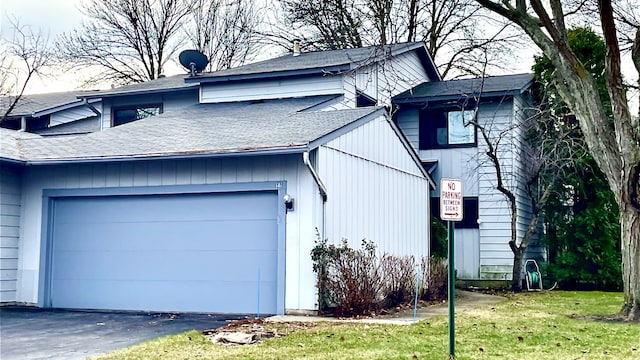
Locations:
(459, 34)
(126, 41)
(225, 31)
(547, 148)
(322, 24)
(23, 56)
(616, 152)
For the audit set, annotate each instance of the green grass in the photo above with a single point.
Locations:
(554, 325)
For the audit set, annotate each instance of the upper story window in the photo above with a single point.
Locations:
(363, 100)
(460, 130)
(447, 129)
(123, 115)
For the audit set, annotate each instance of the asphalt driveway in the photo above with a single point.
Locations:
(28, 333)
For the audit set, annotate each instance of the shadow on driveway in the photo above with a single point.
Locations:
(32, 333)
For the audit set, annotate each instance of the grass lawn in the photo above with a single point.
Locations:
(551, 325)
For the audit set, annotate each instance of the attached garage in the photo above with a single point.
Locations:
(172, 249)
(186, 212)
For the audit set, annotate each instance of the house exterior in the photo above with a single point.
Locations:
(207, 193)
(433, 116)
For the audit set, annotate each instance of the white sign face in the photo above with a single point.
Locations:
(451, 199)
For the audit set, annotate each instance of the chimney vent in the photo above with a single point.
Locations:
(296, 47)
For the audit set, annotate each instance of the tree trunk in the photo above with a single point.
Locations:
(516, 274)
(630, 241)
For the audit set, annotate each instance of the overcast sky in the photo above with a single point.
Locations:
(52, 17)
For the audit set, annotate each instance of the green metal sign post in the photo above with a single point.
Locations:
(451, 211)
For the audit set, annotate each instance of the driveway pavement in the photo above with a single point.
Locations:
(28, 333)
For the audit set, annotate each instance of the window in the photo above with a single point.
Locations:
(363, 100)
(124, 115)
(460, 131)
(441, 129)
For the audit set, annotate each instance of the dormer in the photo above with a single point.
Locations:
(358, 77)
(59, 113)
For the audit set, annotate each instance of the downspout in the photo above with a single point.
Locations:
(91, 107)
(321, 187)
(23, 124)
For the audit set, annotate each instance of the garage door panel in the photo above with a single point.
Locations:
(196, 252)
(216, 235)
(184, 207)
(153, 266)
(169, 296)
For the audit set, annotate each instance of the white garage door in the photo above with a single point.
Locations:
(212, 252)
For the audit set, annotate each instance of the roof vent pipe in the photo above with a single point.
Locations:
(296, 47)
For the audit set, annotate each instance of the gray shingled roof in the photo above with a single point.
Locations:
(202, 129)
(11, 143)
(28, 104)
(317, 60)
(175, 82)
(454, 89)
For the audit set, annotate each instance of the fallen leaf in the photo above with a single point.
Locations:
(520, 338)
(481, 349)
(558, 344)
(414, 356)
(341, 338)
(301, 345)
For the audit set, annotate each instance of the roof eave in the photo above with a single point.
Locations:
(268, 75)
(439, 98)
(62, 107)
(12, 160)
(139, 92)
(175, 156)
(429, 64)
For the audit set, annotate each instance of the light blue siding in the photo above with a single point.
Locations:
(408, 121)
(496, 258)
(169, 102)
(10, 198)
(70, 115)
(271, 89)
(198, 252)
(375, 192)
(384, 79)
(467, 253)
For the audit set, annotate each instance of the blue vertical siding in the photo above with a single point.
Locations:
(10, 198)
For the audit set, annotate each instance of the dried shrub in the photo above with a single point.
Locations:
(435, 285)
(349, 280)
(399, 280)
(354, 282)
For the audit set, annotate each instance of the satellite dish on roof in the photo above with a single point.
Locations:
(193, 60)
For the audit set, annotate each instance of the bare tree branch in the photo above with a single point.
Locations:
(23, 56)
(126, 41)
